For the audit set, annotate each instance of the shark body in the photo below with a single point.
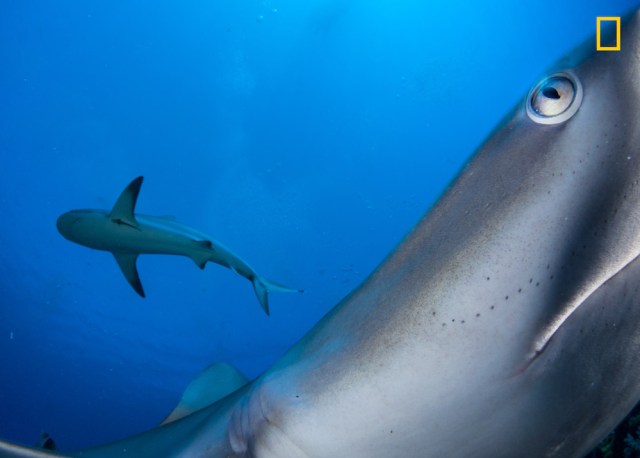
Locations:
(127, 235)
(506, 324)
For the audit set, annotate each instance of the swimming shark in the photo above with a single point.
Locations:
(127, 235)
(507, 322)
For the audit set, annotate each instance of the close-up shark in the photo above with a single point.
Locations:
(506, 324)
(127, 235)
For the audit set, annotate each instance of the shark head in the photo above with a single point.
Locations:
(510, 315)
(79, 226)
(67, 220)
(65, 223)
(97, 228)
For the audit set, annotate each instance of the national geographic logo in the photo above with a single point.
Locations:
(608, 46)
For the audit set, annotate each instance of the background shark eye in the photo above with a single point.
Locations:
(555, 99)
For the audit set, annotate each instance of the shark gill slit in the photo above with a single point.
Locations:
(541, 344)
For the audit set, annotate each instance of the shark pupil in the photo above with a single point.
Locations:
(551, 92)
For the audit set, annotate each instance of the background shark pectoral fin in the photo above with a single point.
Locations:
(127, 263)
(123, 210)
(212, 384)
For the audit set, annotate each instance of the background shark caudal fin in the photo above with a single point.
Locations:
(212, 384)
(263, 286)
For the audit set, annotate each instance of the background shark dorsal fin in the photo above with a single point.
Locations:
(212, 384)
(127, 263)
(123, 210)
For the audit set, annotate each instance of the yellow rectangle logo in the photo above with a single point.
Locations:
(599, 21)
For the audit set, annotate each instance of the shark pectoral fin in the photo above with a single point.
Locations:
(214, 383)
(262, 286)
(123, 210)
(127, 263)
(202, 257)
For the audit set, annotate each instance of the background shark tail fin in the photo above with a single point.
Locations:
(262, 287)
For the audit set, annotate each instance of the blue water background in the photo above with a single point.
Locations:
(308, 136)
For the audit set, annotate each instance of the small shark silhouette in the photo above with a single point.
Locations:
(128, 235)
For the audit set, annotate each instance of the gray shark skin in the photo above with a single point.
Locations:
(506, 324)
(128, 235)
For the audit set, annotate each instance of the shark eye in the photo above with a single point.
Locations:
(555, 99)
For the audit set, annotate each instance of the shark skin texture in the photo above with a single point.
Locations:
(127, 235)
(507, 323)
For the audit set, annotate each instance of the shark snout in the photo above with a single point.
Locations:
(65, 224)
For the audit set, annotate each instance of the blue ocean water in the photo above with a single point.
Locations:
(307, 136)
